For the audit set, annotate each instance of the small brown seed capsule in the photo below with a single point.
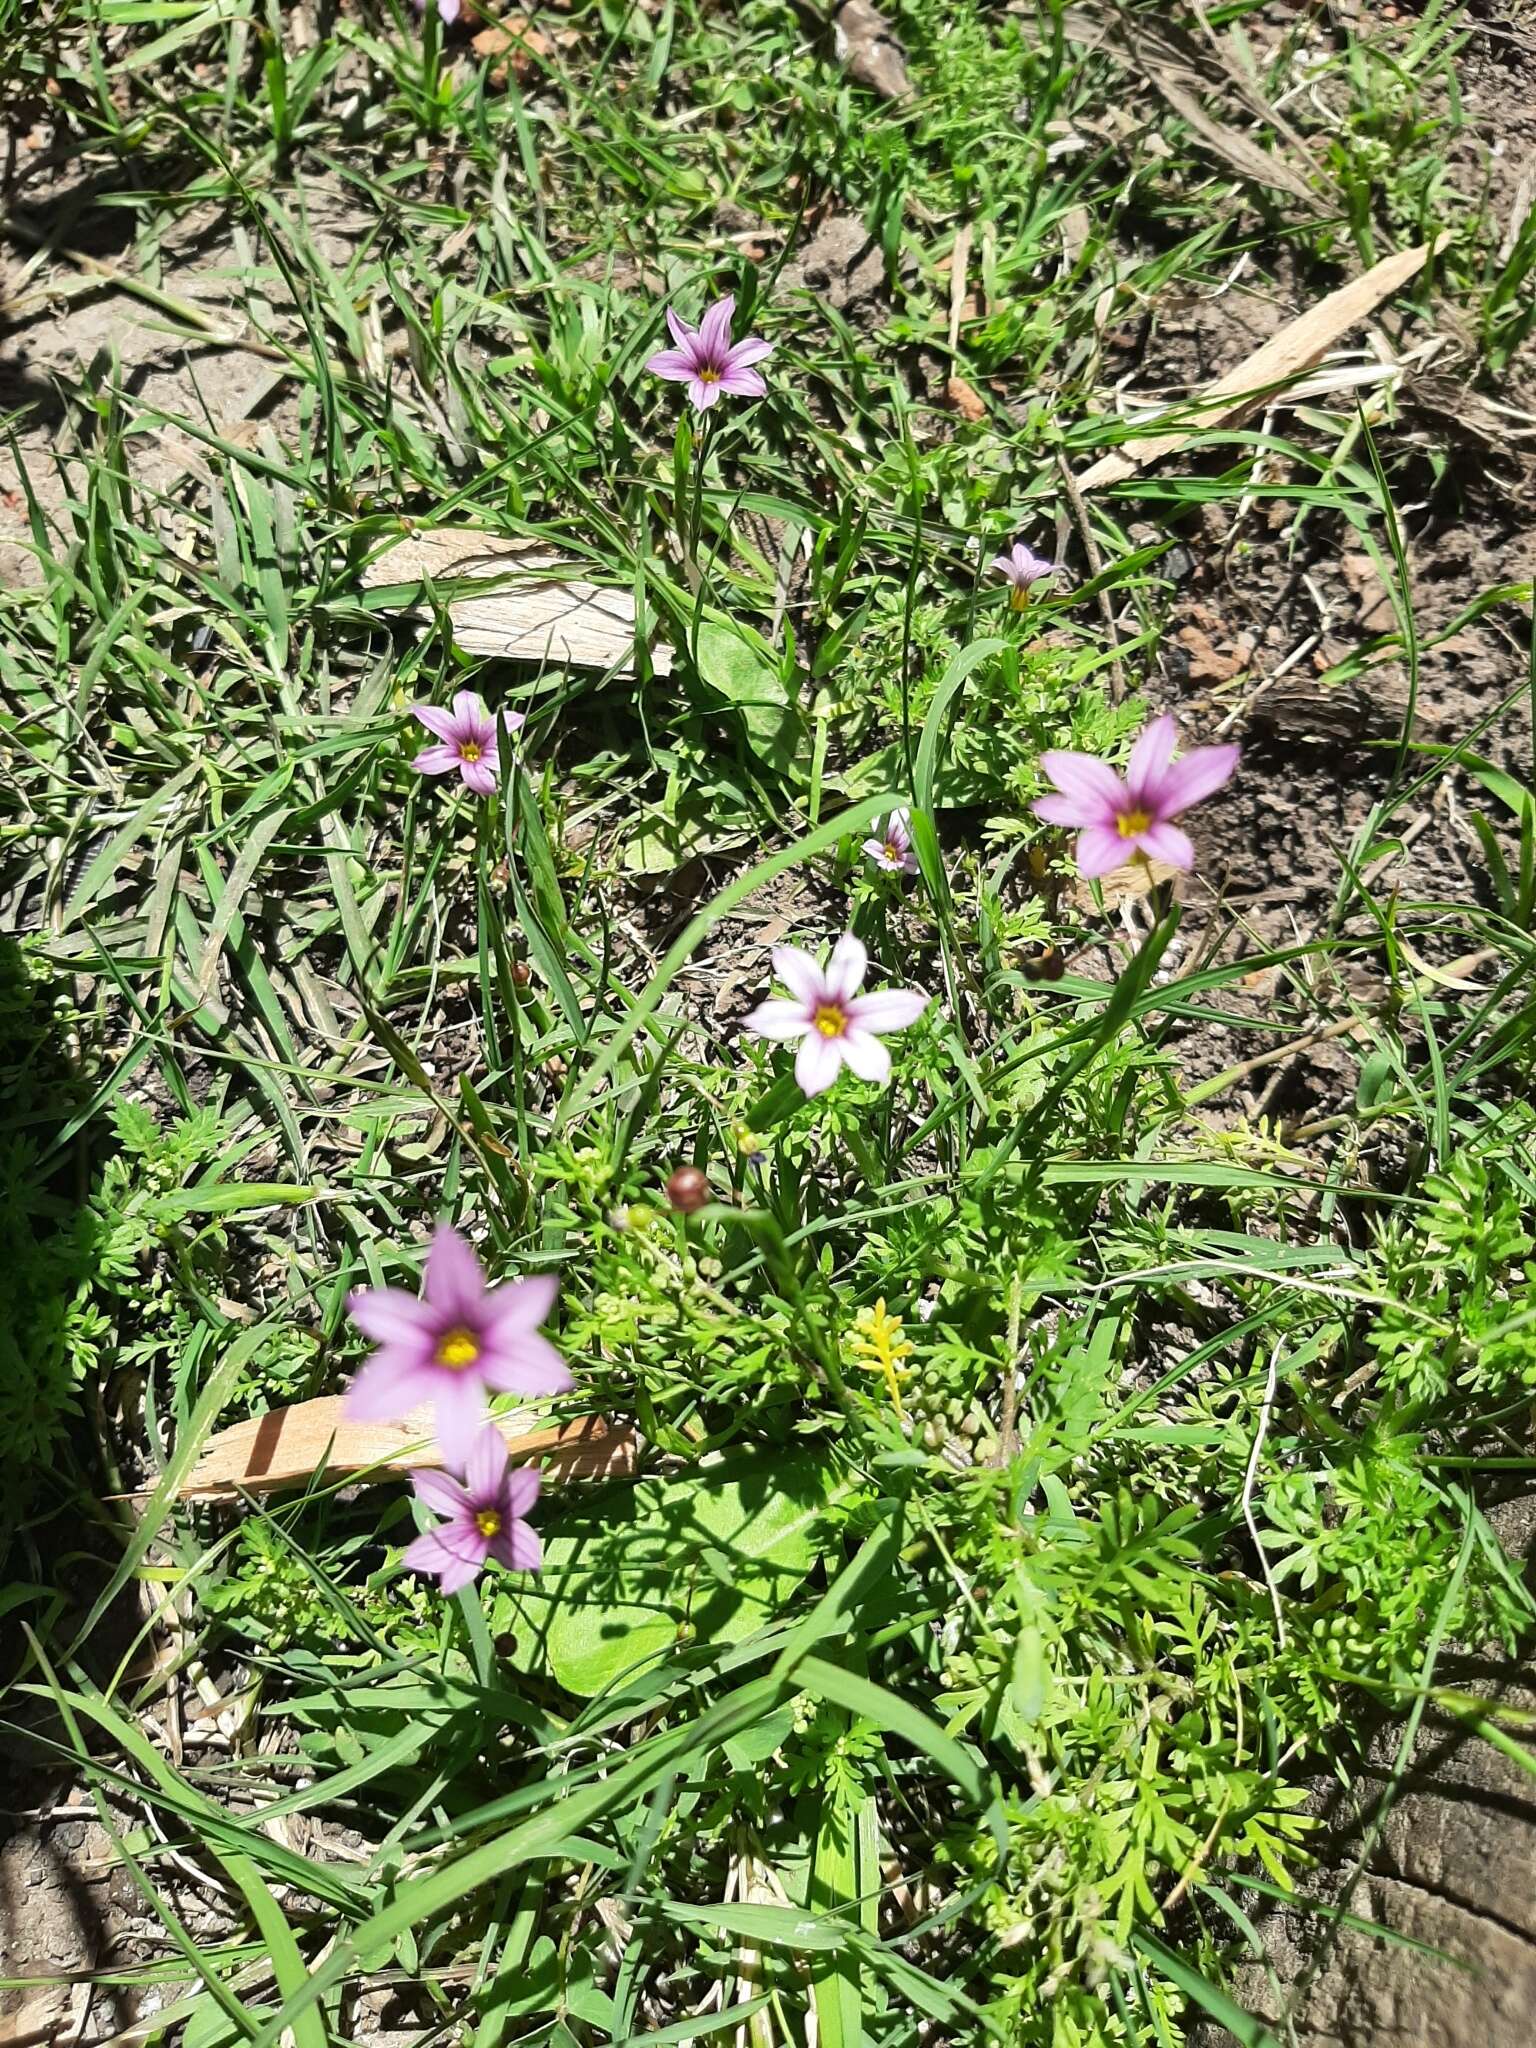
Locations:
(687, 1190)
(522, 974)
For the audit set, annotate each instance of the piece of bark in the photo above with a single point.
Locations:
(538, 610)
(288, 1446)
(1298, 347)
(870, 51)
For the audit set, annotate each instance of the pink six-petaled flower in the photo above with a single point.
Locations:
(460, 1342)
(836, 1026)
(1023, 569)
(450, 10)
(468, 741)
(893, 849)
(484, 1517)
(708, 361)
(1116, 818)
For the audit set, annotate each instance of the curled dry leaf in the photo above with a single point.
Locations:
(538, 610)
(289, 1446)
(966, 399)
(870, 51)
(519, 42)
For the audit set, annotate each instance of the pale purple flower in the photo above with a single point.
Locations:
(485, 1516)
(708, 361)
(450, 10)
(1117, 819)
(1024, 569)
(460, 1342)
(893, 849)
(467, 741)
(836, 1026)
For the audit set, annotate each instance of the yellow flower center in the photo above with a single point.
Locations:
(830, 1020)
(457, 1349)
(708, 376)
(892, 850)
(1130, 823)
(470, 750)
(488, 1522)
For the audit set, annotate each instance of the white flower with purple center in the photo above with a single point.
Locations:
(1117, 819)
(836, 1026)
(892, 850)
(468, 741)
(456, 1345)
(708, 361)
(485, 1516)
(1023, 569)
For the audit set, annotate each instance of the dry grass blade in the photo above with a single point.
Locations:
(288, 1446)
(1297, 348)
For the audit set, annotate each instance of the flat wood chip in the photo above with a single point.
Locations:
(538, 610)
(1296, 349)
(289, 1446)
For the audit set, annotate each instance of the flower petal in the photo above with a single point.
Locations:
(458, 1414)
(818, 1062)
(1072, 811)
(743, 383)
(777, 1019)
(1100, 850)
(391, 1316)
(750, 349)
(1082, 776)
(1004, 566)
(471, 714)
(479, 777)
(441, 1493)
(1167, 843)
(684, 335)
(429, 1553)
(715, 328)
(704, 395)
(520, 1547)
(485, 1468)
(847, 967)
(1200, 774)
(461, 1573)
(866, 1056)
(800, 974)
(438, 760)
(455, 1285)
(1150, 757)
(527, 1364)
(389, 1387)
(519, 1306)
(675, 364)
(436, 718)
(521, 1490)
(886, 1009)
